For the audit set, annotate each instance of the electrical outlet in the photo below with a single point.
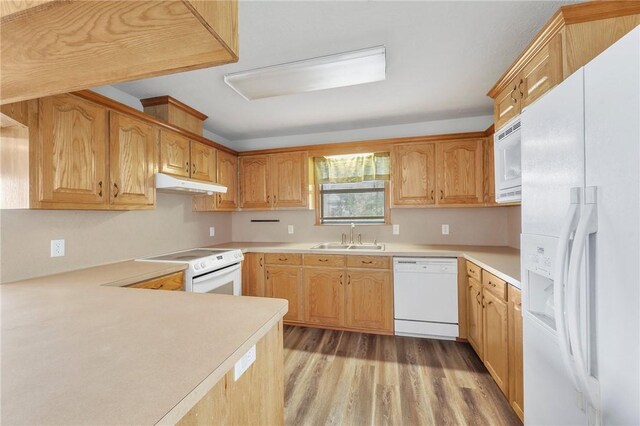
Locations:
(212, 231)
(244, 363)
(445, 229)
(57, 248)
(290, 229)
(396, 229)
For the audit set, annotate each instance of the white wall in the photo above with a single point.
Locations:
(477, 226)
(514, 226)
(97, 237)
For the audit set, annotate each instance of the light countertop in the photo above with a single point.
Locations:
(504, 262)
(78, 349)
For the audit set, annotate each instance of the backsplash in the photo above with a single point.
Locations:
(97, 237)
(476, 226)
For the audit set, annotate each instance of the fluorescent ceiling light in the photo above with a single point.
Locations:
(326, 72)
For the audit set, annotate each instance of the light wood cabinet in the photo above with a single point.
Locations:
(516, 373)
(285, 282)
(175, 154)
(253, 275)
(459, 172)
(506, 105)
(203, 162)
(228, 176)
(542, 73)
(324, 296)
(495, 337)
(171, 282)
(369, 300)
(132, 153)
(274, 181)
(72, 144)
(413, 175)
(474, 316)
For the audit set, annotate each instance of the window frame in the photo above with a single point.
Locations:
(319, 207)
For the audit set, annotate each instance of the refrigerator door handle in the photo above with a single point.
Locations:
(587, 225)
(568, 226)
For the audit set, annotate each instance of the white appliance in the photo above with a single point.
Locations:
(168, 183)
(506, 148)
(425, 299)
(581, 245)
(209, 270)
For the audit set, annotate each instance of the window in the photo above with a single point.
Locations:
(352, 188)
(362, 202)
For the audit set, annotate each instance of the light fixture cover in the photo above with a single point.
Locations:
(326, 72)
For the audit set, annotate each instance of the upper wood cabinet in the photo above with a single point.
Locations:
(274, 181)
(132, 153)
(175, 154)
(203, 162)
(253, 275)
(413, 175)
(60, 47)
(459, 172)
(72, 144)
(227, 176)
(570, 39)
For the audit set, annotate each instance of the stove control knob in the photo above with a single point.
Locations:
(196, 266)
(202, 264)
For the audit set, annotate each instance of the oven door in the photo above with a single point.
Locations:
(227, 280)
(507, 162)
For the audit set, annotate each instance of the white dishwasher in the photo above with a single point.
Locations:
(426, 296)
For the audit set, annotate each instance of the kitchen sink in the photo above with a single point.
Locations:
(340, 246)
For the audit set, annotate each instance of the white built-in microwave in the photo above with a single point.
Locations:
(508, 169)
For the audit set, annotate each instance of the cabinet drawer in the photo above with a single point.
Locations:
(323, 260)
(494, 284)
(283, 259)
(474, 271)
(173, 281)
(375, 262)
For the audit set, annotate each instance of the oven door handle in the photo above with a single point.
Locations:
(217, 274)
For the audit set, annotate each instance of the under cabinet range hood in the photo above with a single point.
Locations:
(167, 183)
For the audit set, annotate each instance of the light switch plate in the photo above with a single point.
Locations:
(290, 229)
(57, 248)
(396, 229)
(445, 229)
(212, 231)
(244, 363)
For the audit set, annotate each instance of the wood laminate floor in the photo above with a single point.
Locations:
(343, 378)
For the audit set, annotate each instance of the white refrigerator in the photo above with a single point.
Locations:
(580, 249)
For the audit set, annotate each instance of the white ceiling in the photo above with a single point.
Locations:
(442, 58)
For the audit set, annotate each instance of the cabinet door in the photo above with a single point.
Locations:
(203, 162)
(413, 174)
(369, 300)
(227, 176)
(496, 348)
(516, 382)
(285, 282)
(542, 73)
(474, 315)
(174, 154)
(255, 182)
(289, 178)
(324, 296)
(73, 147)
(132, 153)
(253, 275)
(460, 172)
(507, 104)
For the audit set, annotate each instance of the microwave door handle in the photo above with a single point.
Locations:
(559, 299)
(586, 226)
(216, 274)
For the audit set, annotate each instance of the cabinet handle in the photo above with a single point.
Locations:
(283, 260)
(261, 261)
(156, 287)
(219, 198)
(193, 168)
(367, 262)
(186, 169)
(268, 198)
(115, 186)
(441, 194)
(349, 279)
(492, 284)
(515, 101)
(340, 279)
(100, 189)
(520, 88)
(478, 299)
(323, 260)
(489, 302)
(432, 195)
(275, 200)
(267, 275)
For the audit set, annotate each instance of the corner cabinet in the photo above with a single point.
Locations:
(274, 181)
(182, 157)
(227, 175)
(442, 173)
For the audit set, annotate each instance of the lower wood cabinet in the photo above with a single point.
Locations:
(173, 282)
(253, 275)
(494, 319)
(285, 282)
(324, 296)
(369, 300)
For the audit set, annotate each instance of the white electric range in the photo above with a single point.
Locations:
(209, 270)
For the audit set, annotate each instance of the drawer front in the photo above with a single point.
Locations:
(324, 260)
(474, 271)
(494, 284)
(283, 259)
(374, 262)
(173, 281)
